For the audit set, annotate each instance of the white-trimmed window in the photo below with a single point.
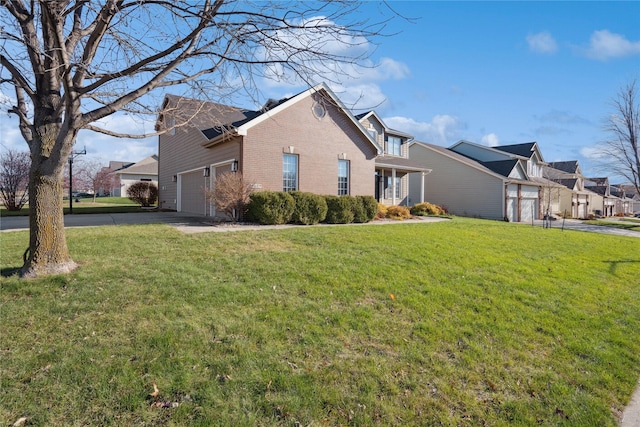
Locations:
(390, 184)
(394, 145)
(289, 172)
(343, 177)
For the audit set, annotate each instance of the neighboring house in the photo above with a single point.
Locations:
(394, 165)
(575, 200)
(626, 203)
(129, 173)
(477, 181)
(602, 201)
(310, 142)
(633, 195)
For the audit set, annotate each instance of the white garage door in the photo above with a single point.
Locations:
(529, 203)
(192, 195)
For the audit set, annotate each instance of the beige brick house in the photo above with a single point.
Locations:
(309, 142)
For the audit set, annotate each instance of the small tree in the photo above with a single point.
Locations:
(230, 194)
(14, 176)
(144, 193)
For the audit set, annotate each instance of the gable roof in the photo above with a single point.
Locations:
(387, 129)
(496, 170)
(527, 149)
(569, 166)
(487, 148)
(502, 167)
(237, 122)
(146, 166)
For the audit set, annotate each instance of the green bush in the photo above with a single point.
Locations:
(143, 193)
(339, 209)
(426, 208)
(309, 208)
(271, 207)
(365, 209)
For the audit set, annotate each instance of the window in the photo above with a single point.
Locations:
(343, 177)
(393, 145)
(389, 185)
(373, 133)
(289, 172)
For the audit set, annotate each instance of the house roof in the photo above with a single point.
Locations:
(569, 166)
(598, 181)
(147, 166)
(525, 149)
(388, 130)
(115, 165)
(401, 163)
(484, 147)
(502, 167)
(465, 160)
(238, 121)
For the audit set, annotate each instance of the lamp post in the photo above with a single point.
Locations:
(72, 156)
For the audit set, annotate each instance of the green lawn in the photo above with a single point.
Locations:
(88, 206)
(464, 322)
(632, 224)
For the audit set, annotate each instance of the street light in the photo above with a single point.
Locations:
(72, 156)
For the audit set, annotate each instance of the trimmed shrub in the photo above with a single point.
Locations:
(270, 207)
(398, 212)
(309, 209)
(143, 193)
(365, 209)
(426, 208)
(339, 209)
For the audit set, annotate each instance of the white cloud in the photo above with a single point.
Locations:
(593, 153)
(355, 78)
(442, 130)
(491, 140)
(542, 43)
(605, 45)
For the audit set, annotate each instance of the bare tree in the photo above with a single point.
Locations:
(14, 176)
(230, 194)
(621, 152)
(72, 63)
(92, 175)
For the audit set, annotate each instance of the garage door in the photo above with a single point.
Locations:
(192, 196)
(529, 203)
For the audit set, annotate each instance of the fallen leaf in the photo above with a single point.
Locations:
(393, 297)
(20, 422)
(156, 391)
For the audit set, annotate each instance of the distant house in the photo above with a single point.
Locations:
(309, 142)
(478, 181)
(575, 199)
(126, 174)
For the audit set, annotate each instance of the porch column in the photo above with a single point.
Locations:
(422, 187)
(393, 188)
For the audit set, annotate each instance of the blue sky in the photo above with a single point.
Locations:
(488, 72)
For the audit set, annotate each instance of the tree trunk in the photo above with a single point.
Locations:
(48, 252)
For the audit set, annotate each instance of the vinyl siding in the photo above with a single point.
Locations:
(461, 189)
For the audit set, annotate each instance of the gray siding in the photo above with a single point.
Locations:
(461, 189)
